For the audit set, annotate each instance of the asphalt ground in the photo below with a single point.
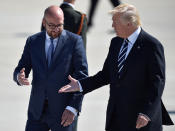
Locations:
(21, 18)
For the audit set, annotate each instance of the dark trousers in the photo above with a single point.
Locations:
(42, 124)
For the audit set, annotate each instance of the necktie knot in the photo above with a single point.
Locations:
(126, 41)
(51, 40)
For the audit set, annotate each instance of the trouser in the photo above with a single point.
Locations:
(42, 124)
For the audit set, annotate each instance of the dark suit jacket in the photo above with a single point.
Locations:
(139, 88)
(69, 58)
(72, 19)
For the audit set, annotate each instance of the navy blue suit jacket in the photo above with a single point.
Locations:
(139, 88)
(69, 58)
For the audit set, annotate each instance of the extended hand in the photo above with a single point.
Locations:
(21, 78)
(141, 121)
(67, 118)
(73, 86)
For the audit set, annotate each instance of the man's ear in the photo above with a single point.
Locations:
(129, 24)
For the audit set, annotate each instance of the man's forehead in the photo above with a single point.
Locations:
(55, 17)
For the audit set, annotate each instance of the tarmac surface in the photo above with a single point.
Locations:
(21, 18)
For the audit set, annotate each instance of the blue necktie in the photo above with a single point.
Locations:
(121, 56)
(50, 52)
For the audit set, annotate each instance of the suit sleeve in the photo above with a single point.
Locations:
(156, 79)
(100, 79)
(80, 71)
(24, 62)
(84, 30)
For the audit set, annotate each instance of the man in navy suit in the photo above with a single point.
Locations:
(135, 70)
(52, 55)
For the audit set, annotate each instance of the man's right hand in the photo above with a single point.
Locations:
(73, 86)
(22, 79)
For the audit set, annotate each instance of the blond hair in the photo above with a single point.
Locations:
(128, 13)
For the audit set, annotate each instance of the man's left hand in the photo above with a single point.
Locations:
(67, 118)
(141, 121)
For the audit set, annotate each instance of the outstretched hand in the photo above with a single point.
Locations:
(73, 86)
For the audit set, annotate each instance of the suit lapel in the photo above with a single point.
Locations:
(59, 47)
(42, 47)
(118, 44)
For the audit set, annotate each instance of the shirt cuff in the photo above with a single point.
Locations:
(81, 89)
(145, 116)
(73, 110)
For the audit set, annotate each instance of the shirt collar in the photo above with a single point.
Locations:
(133, 37)
(73, 6)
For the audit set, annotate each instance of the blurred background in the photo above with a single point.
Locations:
(22, 18)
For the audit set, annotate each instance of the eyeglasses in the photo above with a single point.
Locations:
(52, 26)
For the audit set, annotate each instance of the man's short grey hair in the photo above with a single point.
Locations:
(128, 13)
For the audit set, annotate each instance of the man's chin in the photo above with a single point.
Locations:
(53, 35)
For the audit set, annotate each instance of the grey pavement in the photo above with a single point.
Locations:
(21, 18)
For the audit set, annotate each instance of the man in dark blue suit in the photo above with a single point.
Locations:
(135, 70)
(52, 55)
